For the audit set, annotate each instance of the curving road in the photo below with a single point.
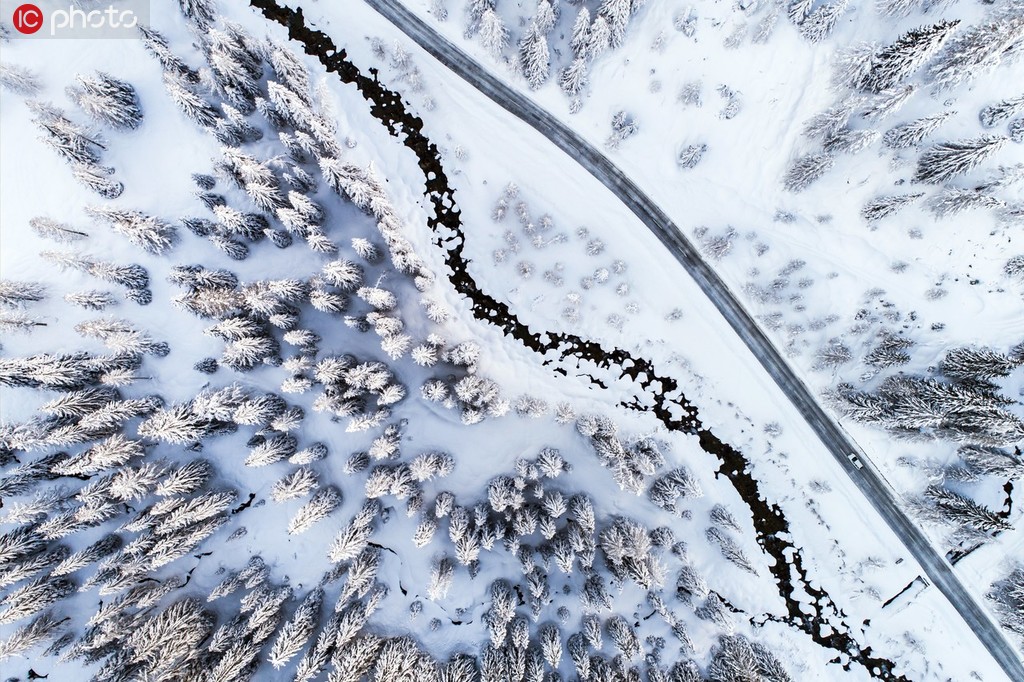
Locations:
(938, 571)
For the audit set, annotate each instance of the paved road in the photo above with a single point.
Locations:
(834, 438)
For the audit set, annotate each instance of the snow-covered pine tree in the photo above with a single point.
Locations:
(819, 24)
(913, 133)
(148, 232)
(493, 34)
(42, 628)
(882, 207)
(325, 501)
(894, 63)
(580, 37)
(201, 12)
(623, 636)
(735, 659)
(600, 37)
(849, 140)
(297, 630)
(107, 100)
(964, 511)
(58, 232)
(807, 169)
(977, 49)
(888, 102)
(1007, 597)
(946, 160)
(16, 294)
(617, 14)
(358, 657)
(534, 57)
(973, 364)
(66, 372)
(551, 644)
(953, 200)
(97, 178)
(18, 79)
(35, 596)
(197, 109)
(545, 17)
(992, 114)
(475, 11)
(730, 550)
(442, 572)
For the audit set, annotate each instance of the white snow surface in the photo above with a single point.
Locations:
(780, 84)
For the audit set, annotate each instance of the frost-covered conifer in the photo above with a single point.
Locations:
(33, 597)
(882, 207)
(272, 450)
(799, 10)
(690, 584)
(887, 102)
(325, 501)
(344, 274)
(296, 484)
(91, 299)
(977, 49)
(361, 573)
(623, 636)
(973, 364)
(952, 200)
(734, 659)
(944, 161)
(58, 232)
(442, 572)
(691, 155)
(148, 232)
(353, 539)
(97, 178)
(807, 169)
(107, 100)
(617, 14)
(534, 58)
(475, 10)
(193, 105)
(628, 549)
(178, 425)
(100, 549)
(992, 114)
(381, 299)
(42, 628)
(493, 34)
(819, 24)
(573, 78)
(894, 63)
(551, 645)
(730, 550)
(14, 294)
(18, 79)
(72, 142)
(545, 16)
(833, 354)
(297, 631)
(358, 657)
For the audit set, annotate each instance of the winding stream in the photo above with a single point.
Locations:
(825, 623)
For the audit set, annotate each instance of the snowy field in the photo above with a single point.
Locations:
(291, 449)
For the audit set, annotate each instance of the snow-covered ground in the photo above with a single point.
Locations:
(656, 312)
